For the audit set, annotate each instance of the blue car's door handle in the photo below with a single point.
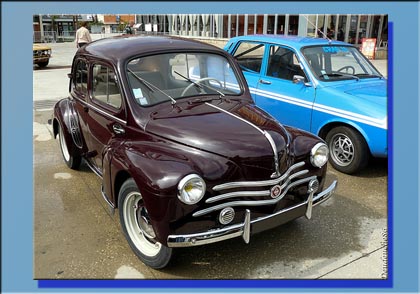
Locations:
(265, 82)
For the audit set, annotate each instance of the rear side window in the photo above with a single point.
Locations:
(105, 88)
(81, 77)
(250, 55)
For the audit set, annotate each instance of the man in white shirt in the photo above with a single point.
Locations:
(83, 35)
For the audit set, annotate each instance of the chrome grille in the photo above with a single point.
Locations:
(286, 182)
(226, 215)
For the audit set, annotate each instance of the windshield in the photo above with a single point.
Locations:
(169, 77)
(332, 63)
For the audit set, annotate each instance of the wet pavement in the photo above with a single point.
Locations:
(76, 236)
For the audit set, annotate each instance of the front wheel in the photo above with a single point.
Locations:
(349, 152)
(43, 64)
(138, 228)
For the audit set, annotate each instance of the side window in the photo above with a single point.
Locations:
(283, 63)
(250, 55)
(81, 77)
(105, 87)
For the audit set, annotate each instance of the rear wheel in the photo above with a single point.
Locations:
(349, 152)
(72, 160)
(138, 228)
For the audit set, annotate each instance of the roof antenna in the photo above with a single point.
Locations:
(323, 34)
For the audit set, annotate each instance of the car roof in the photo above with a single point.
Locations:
(126, 46)
(292, 41)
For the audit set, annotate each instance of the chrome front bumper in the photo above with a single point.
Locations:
(244, 229)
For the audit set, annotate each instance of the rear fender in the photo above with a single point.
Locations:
(66, 117)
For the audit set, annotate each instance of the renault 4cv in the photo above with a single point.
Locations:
(186, 156)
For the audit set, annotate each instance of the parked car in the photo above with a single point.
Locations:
(325, 87)
(41, 54)
(186, 160)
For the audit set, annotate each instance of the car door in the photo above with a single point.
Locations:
(105, 114)
(78, 88)
(289, 101)
(250, 56)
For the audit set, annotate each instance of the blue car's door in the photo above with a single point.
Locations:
(250, 57)
(275, 92)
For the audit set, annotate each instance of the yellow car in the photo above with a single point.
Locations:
(42, 54)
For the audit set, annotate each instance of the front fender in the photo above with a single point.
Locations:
(157, 166)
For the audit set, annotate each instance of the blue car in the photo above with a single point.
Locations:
(325, 87)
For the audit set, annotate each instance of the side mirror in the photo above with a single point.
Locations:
(298, 79)
(69, 75)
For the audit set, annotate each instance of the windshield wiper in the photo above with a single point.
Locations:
(199, 85)
(366, 75)
(339, 74)
(150, 86)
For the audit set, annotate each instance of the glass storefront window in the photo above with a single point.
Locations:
(342, 20)
(293, 24)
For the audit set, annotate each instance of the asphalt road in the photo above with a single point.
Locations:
(76, 237)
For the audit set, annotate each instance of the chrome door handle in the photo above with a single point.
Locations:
(118, 129)
(265, 82)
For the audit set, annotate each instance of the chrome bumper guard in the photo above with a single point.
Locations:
(244, 229)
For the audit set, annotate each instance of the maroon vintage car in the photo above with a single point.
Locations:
(183, 152)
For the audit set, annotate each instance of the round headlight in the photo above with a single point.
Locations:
(319, 155)
(191, 189)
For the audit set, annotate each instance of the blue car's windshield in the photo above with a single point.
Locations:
(332, 63)
(169, 77)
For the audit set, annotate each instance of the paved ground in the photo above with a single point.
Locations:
(75, 236)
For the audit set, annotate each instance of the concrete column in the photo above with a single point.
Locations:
(347, 28)
(265, 24)
(229, 25)
(303, 25)
(275, 23)
(245, 24)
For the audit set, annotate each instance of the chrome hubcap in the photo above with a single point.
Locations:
(342, 149)
(63, 146)
(138, 225)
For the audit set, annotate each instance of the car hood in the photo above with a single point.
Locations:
(40, 47)
(230, 129)
(371, 91)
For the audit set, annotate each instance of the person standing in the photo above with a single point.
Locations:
(83, 35)
(129, 28)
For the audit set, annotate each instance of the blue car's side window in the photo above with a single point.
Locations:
(283, 63)
(250, 56)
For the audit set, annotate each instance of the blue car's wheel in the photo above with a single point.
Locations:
(348, 150)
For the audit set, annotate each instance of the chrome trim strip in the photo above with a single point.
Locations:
(101, 111)
(93, 168)
(276, 156)
(251, 203)
(242, 229)
(255, 193)
(111, 205)
(238, 194)
(273, 182)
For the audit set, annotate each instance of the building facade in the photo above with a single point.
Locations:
(351, 28)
